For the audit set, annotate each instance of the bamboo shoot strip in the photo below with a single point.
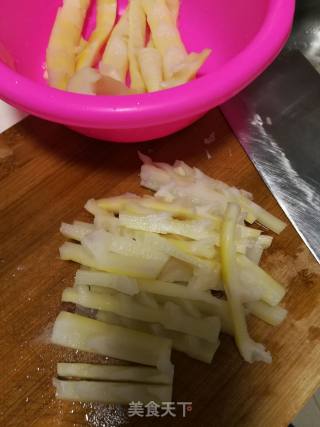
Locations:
(64, 40)
(111, 392)
(249, 349)
(81, 333)
(106, 15)
(140, 374)
(170, 316)
(197, 348)
(115, 61)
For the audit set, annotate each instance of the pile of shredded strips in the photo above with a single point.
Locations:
(148, 266)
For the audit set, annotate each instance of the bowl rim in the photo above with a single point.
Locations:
(138, 111)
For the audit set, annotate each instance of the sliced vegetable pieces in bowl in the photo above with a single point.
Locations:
(159, 63)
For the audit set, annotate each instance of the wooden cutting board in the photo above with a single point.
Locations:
(47, 173)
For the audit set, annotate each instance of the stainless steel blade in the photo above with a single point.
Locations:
(277, 120)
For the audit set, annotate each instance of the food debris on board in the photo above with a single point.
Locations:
(148, 265)
(142, 47)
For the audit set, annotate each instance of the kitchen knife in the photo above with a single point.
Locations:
(277, 121)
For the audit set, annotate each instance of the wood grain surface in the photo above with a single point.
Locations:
(46, 175)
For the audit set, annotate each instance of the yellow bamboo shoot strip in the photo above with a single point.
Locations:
(82, 44)
(249, 349)
(120, 203)
(74, 331)
(137, 37)
(194, 347)
(114, 373)
(165, 36)
(188, 70)
(150, 63)
(170, 316)
(64, 40)
(127, 203)
(204, 248)
(162, 223)
(199, 230)
(113, 263)
(106, 16)
(111, 392)
(115, 62)
(174, 7)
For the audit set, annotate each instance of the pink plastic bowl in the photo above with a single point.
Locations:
(245, 36)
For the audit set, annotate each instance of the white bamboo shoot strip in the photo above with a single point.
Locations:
(204, 279)
(146, 300)
(209, 304)
(272, 292)
(249, 349)
(196, 187)
(111, 392)
(176, 270)
(105, 19)
(64, 40)
(77, 230)
(150, 63)
(124, 284)
(262, 216)
(137, 37)
(115, 61)
(165, 35)
(170, 316)
(254, 253)
(94, 208)
(180, 294)
(195, 347)
(113, 263)
(156, 298)
(84, 81)
(274, 315)
(74, 331)
(188, 70)
(188, 251)
(174, 249)
(89, 371)
(98, 242)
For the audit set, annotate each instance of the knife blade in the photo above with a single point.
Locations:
(277, 121)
